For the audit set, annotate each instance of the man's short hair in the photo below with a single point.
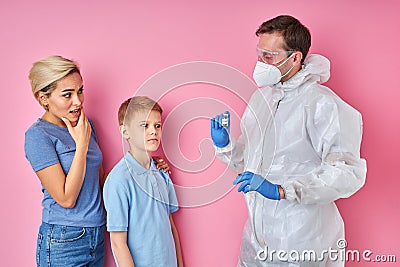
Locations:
(296, 36)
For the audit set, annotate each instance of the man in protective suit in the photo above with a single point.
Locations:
(299, 152)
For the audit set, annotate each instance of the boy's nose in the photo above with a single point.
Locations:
(152, 130)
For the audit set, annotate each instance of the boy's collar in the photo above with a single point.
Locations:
(135, 166)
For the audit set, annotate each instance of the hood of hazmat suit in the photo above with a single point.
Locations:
(300, 135)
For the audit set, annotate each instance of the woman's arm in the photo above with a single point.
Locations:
(120, 248)
(65, 189)
(178, 249)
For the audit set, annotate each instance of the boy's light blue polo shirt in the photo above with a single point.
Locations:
(140, 201)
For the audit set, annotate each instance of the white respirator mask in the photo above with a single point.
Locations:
(266, 75)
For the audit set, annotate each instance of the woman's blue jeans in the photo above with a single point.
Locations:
(67, 246)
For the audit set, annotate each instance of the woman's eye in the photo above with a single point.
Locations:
(68, 95)
(80, 91)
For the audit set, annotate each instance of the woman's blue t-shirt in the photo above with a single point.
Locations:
(47, 144)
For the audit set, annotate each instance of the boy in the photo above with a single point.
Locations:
(138, 198)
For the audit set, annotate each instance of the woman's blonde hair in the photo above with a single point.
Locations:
(46, 72)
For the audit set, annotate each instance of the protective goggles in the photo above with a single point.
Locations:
(271, 57)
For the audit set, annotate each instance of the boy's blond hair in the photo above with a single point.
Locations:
(136, 104)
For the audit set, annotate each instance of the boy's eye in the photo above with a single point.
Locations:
(146, 125)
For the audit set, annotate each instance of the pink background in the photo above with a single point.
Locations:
(120, 44)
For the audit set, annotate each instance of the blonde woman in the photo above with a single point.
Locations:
(62, 149)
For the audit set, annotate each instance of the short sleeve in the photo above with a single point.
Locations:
(39, 149)
(116, 202)
(173, 201)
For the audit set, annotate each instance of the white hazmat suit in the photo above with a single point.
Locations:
(312, 150)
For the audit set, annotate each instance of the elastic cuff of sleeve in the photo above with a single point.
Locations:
(221, 146)
(226, 148)
(284, 192)
(289, 191)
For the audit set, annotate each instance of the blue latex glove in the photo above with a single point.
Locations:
(220, 133)
(255, 182)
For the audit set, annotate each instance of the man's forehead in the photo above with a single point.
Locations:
(271, 41)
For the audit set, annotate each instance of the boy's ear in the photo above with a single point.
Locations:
(123, 131)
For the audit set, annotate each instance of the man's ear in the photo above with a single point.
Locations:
(297, 57)
(124, 132)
